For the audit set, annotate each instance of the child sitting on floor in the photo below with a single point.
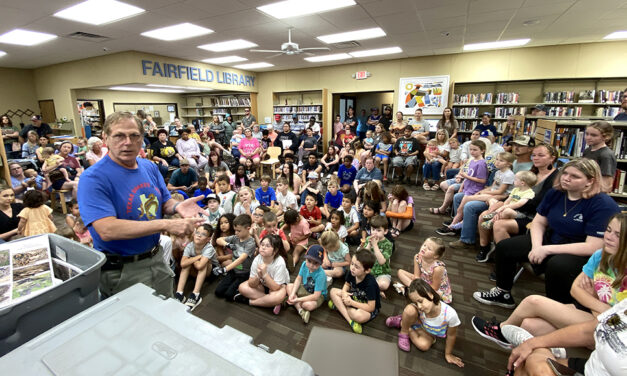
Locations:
(299, 233)
(351, 220)
(202, 191)
(312, 214)
(336, 223)
(358, 300)
(309, 289)
(424, 320)
(265, 194)
(337, 257)
(332, 199)
(429, 267)
(382, 248)
(271, 227)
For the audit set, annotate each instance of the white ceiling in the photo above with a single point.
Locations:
(419, 27)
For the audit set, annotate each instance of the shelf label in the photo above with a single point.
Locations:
(185, 72)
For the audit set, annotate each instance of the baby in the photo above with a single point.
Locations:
(53, 162)
(35, 181)
(522, 192)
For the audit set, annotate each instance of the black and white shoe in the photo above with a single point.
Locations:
(491, 330)
(484, 254)
(193, 301)
(496, 297)
(446, 231)
(178, 296)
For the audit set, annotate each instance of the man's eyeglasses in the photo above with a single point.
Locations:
(118, 138)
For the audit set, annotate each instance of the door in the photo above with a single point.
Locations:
(345, 103)
(47, 111)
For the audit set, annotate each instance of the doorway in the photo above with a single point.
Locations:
(361, 101)
(47, 111)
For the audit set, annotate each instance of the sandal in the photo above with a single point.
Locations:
(426, 187)
(436, 187)
(436, 211)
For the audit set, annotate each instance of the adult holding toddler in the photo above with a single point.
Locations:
(567, 229)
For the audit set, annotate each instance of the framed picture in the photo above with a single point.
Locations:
(171, 108)
(157, 114)
(383, 106)
(428, 93)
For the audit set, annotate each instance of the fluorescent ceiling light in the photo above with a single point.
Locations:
(375, 52)
(25, 37)
(375, 32)
(129, 88)
(98, 12)
(2, 53)
(180, 87)
(315, 59)
(254, 65)
(297, 8)
(177, 32)
(494, 45)
(616, 35)
(229, 45)
(224, 59)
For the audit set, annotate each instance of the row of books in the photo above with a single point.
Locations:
(466, 125)
(610, 96)
(619, 181)
(503, 112)
(230, 101)
(466, 112)
(299, 109)
(620, 144)
(481, 98)
(564, 111)
(507, 98)
(559, 97)
(608, 111)
(301, 118)
(569, 142)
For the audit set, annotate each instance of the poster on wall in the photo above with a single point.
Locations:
(428, 93)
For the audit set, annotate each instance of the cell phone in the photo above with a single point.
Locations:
(560, 369)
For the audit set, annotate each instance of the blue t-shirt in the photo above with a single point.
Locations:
(334, 201)
(199, 192)
(364, 176)
(107, 189)
(346, 175)
(312, 282)
(586, 217)
(488, 127)
(265, 198)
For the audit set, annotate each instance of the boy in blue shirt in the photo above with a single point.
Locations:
(309, 289)
(265, 194)
(347, 172)
(202, 191)
(333, 198)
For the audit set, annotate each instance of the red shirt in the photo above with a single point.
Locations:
(315, 213)
(265, 232)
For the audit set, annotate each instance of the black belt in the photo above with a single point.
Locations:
(116, 261)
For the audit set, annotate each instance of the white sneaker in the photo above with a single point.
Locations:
(329, 281)
(517, 335)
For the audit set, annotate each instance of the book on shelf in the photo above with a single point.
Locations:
(466, 112)
(610, 96)
(620, 144)
(507, 98)
(607, 111)
(619, 182)
(559, 97)
(466, 125)
(569, 142)
(503, 112)
(481, 98)
(586, 96)
(564, 111)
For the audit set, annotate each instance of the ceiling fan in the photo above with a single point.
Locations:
(291, 48)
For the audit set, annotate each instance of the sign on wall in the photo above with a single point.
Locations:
(428, 93)
(185, 72)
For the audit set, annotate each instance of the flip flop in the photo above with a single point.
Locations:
(436, 211)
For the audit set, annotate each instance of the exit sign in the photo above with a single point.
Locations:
(361, 75)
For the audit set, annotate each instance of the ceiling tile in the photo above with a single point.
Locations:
(385, 7)
(480, 6)
(399, 23)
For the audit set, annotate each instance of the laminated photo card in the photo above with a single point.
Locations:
(25, 269)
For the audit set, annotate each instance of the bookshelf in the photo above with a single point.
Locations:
(566, 99)
(302, 103)
(202, 107)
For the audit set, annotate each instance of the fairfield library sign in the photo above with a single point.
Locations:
(156, 68)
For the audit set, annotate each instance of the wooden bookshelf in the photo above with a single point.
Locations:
(302, 103)
(202, 107)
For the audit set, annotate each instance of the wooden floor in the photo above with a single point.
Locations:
(287, 332)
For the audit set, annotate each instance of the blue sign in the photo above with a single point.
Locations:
(155, 68)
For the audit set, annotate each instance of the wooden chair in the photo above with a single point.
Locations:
(53, 199)
(273, 152)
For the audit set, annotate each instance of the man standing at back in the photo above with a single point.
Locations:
(42, 129)
(123, 199)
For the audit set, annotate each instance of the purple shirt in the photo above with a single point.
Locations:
(476, 169)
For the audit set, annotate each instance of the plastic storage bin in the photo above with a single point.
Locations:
(136, 332)
(21, 322)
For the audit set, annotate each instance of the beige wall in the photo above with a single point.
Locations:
(18, 93)
(607, 59)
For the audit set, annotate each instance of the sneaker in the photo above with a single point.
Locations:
(458, 244)
(277, 309)
(393, 321)
(304, 314)
(495, 296)
(484, 254)
(447, 223)
(487, 217)
(487, 225)
(457, 226)
(179, 296)
(403, 342)
(490, 330)
(517, 335)
(445, 231)
(329, 281)
(239, 298)
(356, 327)
(331, 305)
(193, 301)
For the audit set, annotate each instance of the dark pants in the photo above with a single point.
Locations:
(559, 270)
(227, 288)
(163, 169)
(450, 173)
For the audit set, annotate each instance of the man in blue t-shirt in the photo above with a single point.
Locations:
(485, 124)
(122, 200)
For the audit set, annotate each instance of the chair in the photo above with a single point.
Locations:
(273, 152)
(53, 199)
